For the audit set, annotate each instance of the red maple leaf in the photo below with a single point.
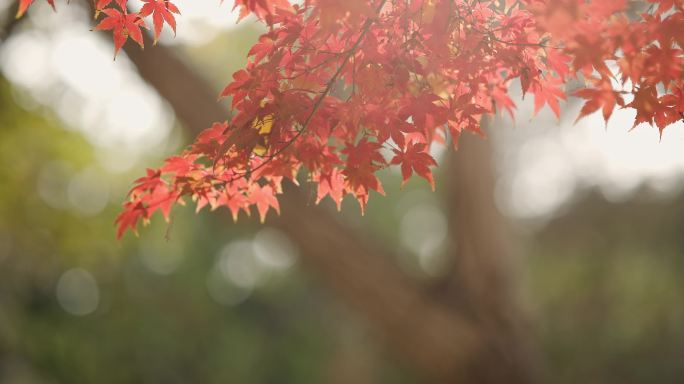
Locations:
(415, 158)
(123, 25)
(363, 160)
(548, 92)
(102, 4)
(331, 184)
(234, 202)
(161, 11)
(129, 217)
(651, 108)
(604, 97)
(261, 8)
(264, 199)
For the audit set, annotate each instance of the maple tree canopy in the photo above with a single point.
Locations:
(334, 86)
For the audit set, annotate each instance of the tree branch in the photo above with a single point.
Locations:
(9, 23)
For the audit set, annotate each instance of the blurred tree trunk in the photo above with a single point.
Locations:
(482, 284)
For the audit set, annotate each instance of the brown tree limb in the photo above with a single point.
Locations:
(192, 98)
(429, 335)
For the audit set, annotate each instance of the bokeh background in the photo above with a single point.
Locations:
(595, 215)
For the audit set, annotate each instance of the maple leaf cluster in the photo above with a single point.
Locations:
(115, 16)
(335, 91)
(621, 56)
(120, 18)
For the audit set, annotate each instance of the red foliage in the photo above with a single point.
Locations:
(339, 90)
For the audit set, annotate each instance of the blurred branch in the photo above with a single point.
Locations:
(9, 22)
(435, 339)
(191, 97)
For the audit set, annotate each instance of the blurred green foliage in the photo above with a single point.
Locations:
(147, 327)
(606, 282)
